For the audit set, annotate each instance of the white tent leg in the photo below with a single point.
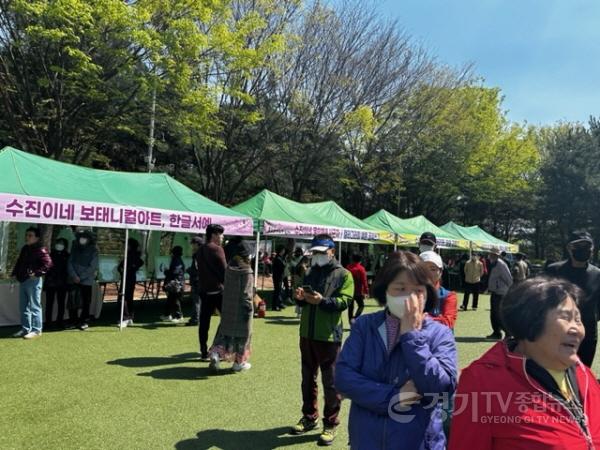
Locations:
(396, 243)
(256, 260)
(124, 279)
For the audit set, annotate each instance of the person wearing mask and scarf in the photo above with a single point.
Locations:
(579, 271)
(134, 263)
(446, 311)
(56, 284)
(326, 291)
(398, 366)
(82, 267)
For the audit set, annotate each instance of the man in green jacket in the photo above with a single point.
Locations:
(325, 294)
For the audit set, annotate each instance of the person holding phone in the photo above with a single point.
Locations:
(399, 365)
(324, 295)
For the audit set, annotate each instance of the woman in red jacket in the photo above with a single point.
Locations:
(531, 391)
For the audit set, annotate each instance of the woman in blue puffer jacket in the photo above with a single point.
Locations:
(398, 366)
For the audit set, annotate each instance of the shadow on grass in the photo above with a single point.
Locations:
(235, 440)
(185, 373)
(282, 320)
(151, 361)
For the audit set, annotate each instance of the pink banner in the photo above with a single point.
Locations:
(279, 228)
(22, 208)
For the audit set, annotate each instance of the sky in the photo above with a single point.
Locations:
(543, 54)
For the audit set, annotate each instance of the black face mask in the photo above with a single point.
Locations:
(581, 254)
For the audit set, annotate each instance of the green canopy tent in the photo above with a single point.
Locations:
(34, 189)
(480, 239)
(275, 215)
(409, 230)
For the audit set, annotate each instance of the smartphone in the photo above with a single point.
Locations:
(308, 289)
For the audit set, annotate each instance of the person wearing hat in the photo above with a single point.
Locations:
(325, 294)
(579, 271)
(445, 311)
(499, 281)
(427, 242)
(196, 243)
(233, 338)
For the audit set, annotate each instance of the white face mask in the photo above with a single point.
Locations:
(425, 248)
(320, 260)
(397, 305)
(59, 247)
(83, 241)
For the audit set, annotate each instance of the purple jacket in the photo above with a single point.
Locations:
(33, 260)
(371, 377)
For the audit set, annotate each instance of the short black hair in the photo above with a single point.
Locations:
(357, 257)
(524, 308)
(414, 265)
(177, 250)
(34, 230)
(213, 228)
(133, 244)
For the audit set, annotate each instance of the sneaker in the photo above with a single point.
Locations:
(328, 436)
(177, 320)
(241, 367)
(463, 308)
(32, 335)
(474, 309)
(494, 336)
(130, 322)
(166, 318)
(83, 326)
(123, 324)
(304, 425)
(20, 334)
(215, 362)
(204, 357)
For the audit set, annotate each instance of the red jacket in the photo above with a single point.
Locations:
(448, 310)
(498, 406)
(361, 285)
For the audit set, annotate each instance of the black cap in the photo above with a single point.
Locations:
(428, 236)
(580, 236)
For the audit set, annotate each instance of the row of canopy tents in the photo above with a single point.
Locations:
(34, 189)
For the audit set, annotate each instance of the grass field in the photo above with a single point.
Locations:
(145, 388)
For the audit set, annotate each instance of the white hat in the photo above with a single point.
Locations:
(433, 257)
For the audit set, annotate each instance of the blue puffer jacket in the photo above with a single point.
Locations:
(370, 377)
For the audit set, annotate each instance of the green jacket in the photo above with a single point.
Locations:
(323, 322)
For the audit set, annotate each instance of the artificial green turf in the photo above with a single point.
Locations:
(144, 388)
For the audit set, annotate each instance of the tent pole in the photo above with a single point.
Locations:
(256, 260)
(124, 279)
(396, 242)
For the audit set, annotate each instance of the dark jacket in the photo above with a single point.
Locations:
(587, 279)
(33, 260)
(236, 314)
(176, 270)
(211, 267)
(371, 375)
(193, 271)
(500, 405)
(58, 276)
(278, 267)
(323, 322)
(134, 263)
(83, 262)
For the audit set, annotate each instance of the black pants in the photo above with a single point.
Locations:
(277, 302)
(360, 301)
(471, 289)
(128, 307)
(60, 295)
(317, 355)
(173, 306)
(86, 300)
(208, 303)
(587, 350)
(495, 313)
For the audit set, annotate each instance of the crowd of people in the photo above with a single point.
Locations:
(533, 389)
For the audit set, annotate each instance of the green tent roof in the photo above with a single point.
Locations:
(479, 237)
(409, 230)
(267, 206)
(26, 174)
